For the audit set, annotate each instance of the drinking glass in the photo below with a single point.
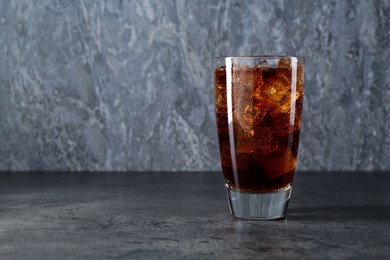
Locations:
(258, 104)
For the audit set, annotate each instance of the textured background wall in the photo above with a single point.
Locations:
(127, 85)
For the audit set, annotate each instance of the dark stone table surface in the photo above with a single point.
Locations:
(332, 215)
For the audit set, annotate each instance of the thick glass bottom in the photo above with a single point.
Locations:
(262, 206)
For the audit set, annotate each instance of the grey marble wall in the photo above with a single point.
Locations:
(127, 85)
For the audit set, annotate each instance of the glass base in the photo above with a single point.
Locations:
(267, 205)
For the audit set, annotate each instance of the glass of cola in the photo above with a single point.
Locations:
(258, 104)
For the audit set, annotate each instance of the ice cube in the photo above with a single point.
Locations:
(246, 109)
(292, 94)
(284, 63)
(249, 115)
(243, 76)
(278, 89)
(262, 65)
(287, 101)
(276, 163)
(245, 121)
(259, 93)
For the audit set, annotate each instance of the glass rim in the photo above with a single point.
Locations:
(267, 56)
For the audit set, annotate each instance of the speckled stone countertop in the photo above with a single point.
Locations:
(176, 215)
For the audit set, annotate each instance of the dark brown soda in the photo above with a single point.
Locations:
(259, 147)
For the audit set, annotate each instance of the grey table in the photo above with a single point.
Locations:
(185, 215)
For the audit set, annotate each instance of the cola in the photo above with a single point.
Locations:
(258, 114)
